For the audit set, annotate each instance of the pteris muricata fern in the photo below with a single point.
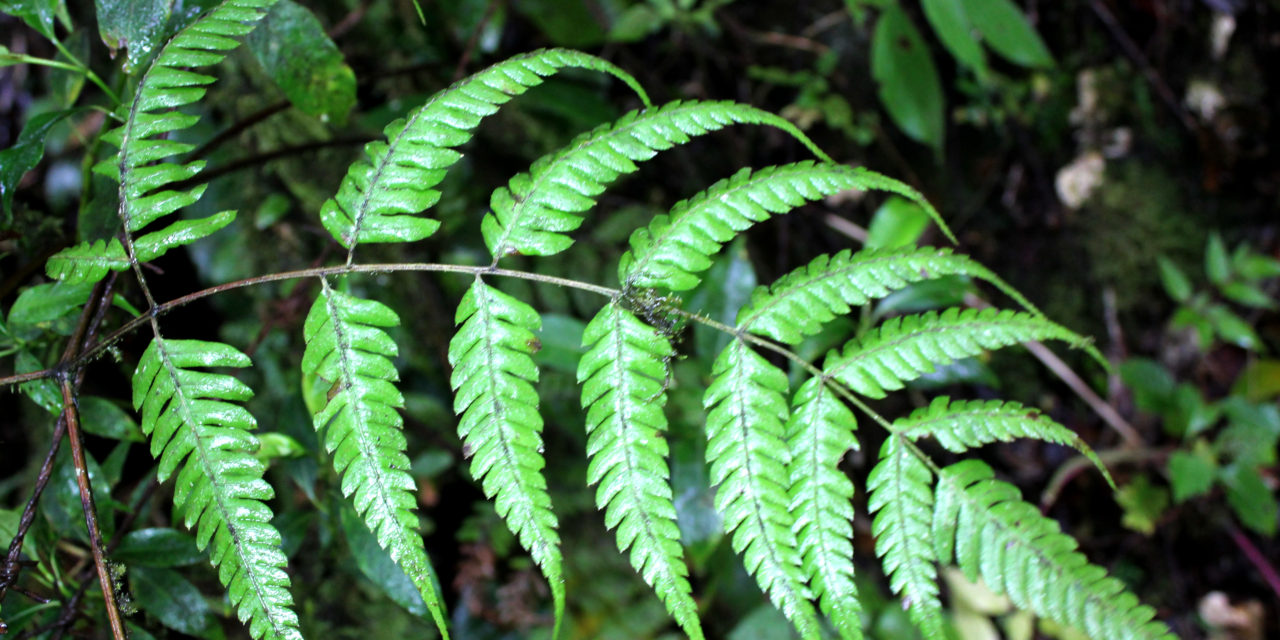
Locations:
(773, 450)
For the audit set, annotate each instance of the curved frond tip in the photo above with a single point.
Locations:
(382, 194)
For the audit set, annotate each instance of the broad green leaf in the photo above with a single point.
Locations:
(897, 223)
(567, 23)
(957, 33)
(909, 86)
(299, 56)
(23, 156)
(44, 392)
(636, 23)
(1006, 30)
(168, 596)
(157, 547)
(376, 564)
(1249, 497)
(1216, 263)
(38, 14)
(9, 519)
(1174, 280)
(102, 417)
(1191, 473)
(135, 25)
(50, 306)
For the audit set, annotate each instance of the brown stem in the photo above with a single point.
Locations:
(71, 417)
(1256, 557)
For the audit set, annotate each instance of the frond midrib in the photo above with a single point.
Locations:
(248, 568)
(369, 456)
(753, 477)
(505, 437)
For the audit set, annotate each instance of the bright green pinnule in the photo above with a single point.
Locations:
(147, 180)
(349, 350)
(197, 432)
(982, 525)
(624, 376)
(746, 448)
(500, 428)
(819, 433)
(676, 247)
(798, 304)
(535, 211)
(962, 425)
(382, 195)
(904, 348)
(900, 494)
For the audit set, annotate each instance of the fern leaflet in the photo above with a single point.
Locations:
(196, 431)
(903, 348)
(902, 499)
(746, 418)
(959, 426)
(145, 179)
(348, 348)
(381, 194)
(493, 376)
(819, 433)
(678, 246)
(532, 214)
(624, 376)
(799, 303)
(988, 530)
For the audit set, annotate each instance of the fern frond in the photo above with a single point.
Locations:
(532, 214)
(901, 496)
(678, 246)
(196, 431)
(959, 426)
(799, 303)
(381, 194)
(624, 377)
(146, 178)
(985, 527)
(903, 348)
(819, 433)
(349, 349)
(493, 376)
(746, 418)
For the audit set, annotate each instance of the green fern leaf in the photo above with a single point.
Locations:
(903, 348)
(983, 525)
(348, 348)
(196, 431)
(799, 303)
(678, 246)
(819, 433)
(146, 180)
(87, 262)
(624, 377)
(532, 214)
(959, 426)
(901, 497)
(493, 376)
(746, 418)
(381, 195)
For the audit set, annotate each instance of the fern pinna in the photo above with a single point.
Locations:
(773, 448)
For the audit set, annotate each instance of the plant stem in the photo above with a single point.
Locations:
(71, 417)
